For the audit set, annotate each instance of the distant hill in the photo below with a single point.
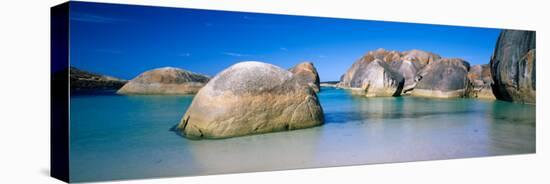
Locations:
(84, 80)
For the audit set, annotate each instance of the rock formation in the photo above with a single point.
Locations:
(404, 65)
(373, 78)
(167, 80)
(306, 73)
(410, 64)
(513, 66)
(83, 80)
(444, 78)
(372, 75)
(479, 82)
(250, 98)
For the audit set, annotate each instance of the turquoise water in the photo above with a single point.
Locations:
(124, 137)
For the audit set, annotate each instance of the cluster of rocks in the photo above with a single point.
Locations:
(253, 97)
(510, 75)
(246, 98)
(414, 72)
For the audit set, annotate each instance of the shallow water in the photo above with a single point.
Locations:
(123, 137)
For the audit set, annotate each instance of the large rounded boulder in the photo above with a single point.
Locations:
(513, 66)
(250, 98)
(167, 80)
(373, 76)
(479, 82)
(444, 78)
(306, 73)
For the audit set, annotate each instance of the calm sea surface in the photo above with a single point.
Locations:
(124, 137)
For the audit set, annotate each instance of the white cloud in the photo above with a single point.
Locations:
(234, 54)
(185, 54)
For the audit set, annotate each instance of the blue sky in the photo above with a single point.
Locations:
(123, 41)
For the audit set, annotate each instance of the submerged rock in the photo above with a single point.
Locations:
(372, 76)
(306, 73)
(479, 82)
(444, 78)
(83, 80)
(167, 80)
(513, 66)
(251, 98)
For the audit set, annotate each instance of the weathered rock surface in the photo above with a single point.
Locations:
(513, 66)
(444, 78)
(479, 82)
(306, 73)
(250, 98)
(167, 80)
(83, 80)
(408, 69)
(422, 58)
(372, 75)
(410, 64)
(373, 78)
